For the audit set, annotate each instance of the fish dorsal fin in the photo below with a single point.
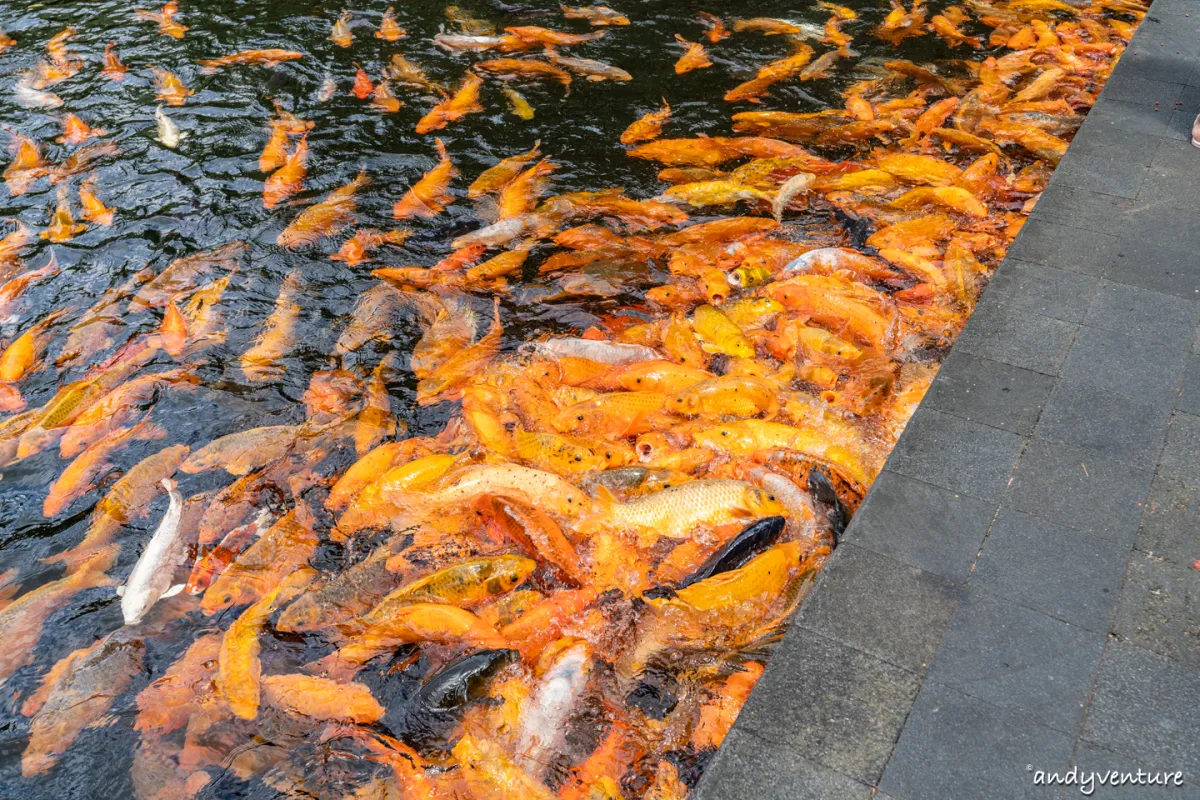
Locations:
(174, 590)
(604, 497)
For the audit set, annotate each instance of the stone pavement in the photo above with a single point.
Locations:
(1018, 591)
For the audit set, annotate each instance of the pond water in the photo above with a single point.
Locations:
(615, 546)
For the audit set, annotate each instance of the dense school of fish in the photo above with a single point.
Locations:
(587, 567)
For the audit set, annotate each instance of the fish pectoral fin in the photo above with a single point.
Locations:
(174, 590)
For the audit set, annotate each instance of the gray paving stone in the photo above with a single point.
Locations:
(1139, 369)
(1159, 608)
(956, 746)
(1179, 126)
(832, 704)
(1181, 456)
(1018, 659)
(1156, 264)
(1175, 161)
(1167, 59)
(1071, 205)
(922, 525)
(1144, 707)
(1091, 759)
(1175, 7)
(995, 394)
(1194, 78)
(1099, 170)
(1189, 394)
(1141, 91)
(1080, 414)
(1128, 116)
(1080, 489)
(1156, 317)
(1038, 289)
(956, 454)
(1015, 336)
(749, 766)
(1168, 38)
(1072, 575)
(1104, 142)
(1064, 246)
(1171, 521)
(878, 605)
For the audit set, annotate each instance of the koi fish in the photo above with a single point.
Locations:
(167, 25)
(271, 57)
(465, 101)
(150, 580)
(340, 34)
(429, 196)
(113, 69)
(168, 88)
(325, 218)
(169, 134)
(695, 58)
(289, 178)
(261, 363)
(596, 16)
(389, 30)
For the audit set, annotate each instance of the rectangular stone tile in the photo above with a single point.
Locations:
(746, 765)
(1156, 264)
(1156, 317)
(1064, 246)
(1175, 160)
(956, 454)
(1134, 117)
(1069, 574)
(1179, 126)
(1181, 456)
(1194, 78)
(989, 392)
(1189, 392)
(1143, 91)
(1180, 7)
(1167, 60)
(1018, 659)
(1080, 208)
(1172, 519)
(899, 612)
(922, 525)
(1038, 289)
(1099, 170)
(1109, 425)
(1091, 759)
(1139, 369)
(1159, 608)
(1077, 488)
(957, 746)
(1170, 39)
(1105, 142)
(847, 721)
(1144, 707)
(1015, 336)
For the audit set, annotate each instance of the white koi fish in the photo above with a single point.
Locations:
(168, 131)
(151, 576)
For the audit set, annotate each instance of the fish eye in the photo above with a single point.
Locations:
(771, 497)
(578, 457)
(639, 380)
(724, 433)
(579, 418)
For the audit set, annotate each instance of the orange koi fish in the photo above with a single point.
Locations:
(289, 178)
(648, 127)
(76, 131)
(430, 195)
(545, 36)
(340, 35)
(465, 101)
(384, 100)
(113, 69)
(325, 218)
(285, 125)
(94, 210)
(270, 57)
(25, 168)
(596, 16)
(62, 225)
(167, 25)
(355, 249)
(389, 31)
(363, 88)
(695, 58)
(168, 87)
